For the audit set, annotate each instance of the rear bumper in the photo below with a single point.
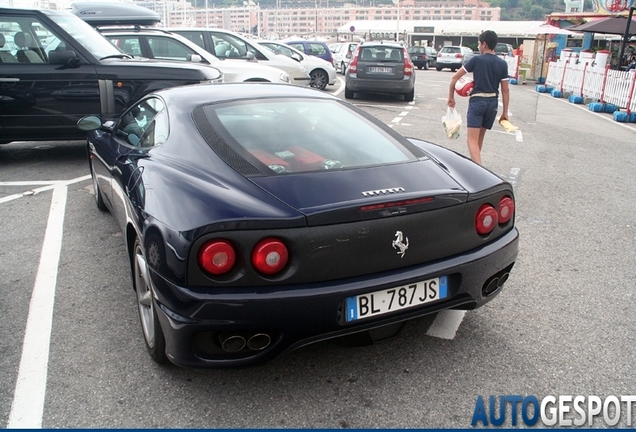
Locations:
(356, 84)
(442, 63)
(195, 319)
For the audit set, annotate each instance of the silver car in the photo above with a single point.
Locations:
(321, 71)
(342, 55)
(160, 44)
(231, 46)
(453, 57)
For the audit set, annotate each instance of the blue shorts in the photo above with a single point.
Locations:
(482, 112)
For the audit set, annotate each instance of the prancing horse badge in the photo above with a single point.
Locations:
(399, 243)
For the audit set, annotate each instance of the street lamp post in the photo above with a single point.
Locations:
(397, 32)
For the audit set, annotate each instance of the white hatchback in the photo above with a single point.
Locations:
(322, 72)
(453, 57)
(232, 46)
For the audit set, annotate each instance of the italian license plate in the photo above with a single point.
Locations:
(380, 69)
(392, 299)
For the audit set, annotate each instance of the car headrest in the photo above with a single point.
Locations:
(22, 40)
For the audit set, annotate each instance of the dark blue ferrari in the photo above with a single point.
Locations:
(259, 218)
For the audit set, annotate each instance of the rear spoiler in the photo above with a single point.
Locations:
(105, 14)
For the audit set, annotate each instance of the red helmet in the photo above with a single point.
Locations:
(464, 86)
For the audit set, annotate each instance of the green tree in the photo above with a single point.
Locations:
(536, 13)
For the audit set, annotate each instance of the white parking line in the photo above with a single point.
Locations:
(513, 177)
(49, 185)
(30, 388)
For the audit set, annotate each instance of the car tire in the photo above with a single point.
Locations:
(319, 79)
(453, 69)
(408, 97)
(419, 67)
(348, 93)
(438, 68)
(99, 200)
(426, 66)
(153, 335)
(343, 68)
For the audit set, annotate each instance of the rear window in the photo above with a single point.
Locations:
(503, 48)
(291, 135)
(317, 49)
(451, 50)
(381, 53)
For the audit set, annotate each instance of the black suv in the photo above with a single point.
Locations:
(55, 69)
(422, 57)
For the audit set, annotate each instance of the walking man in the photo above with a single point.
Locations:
(489, 71)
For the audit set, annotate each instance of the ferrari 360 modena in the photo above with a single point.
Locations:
(259, 218)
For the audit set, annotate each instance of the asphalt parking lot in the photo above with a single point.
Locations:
(563, 325)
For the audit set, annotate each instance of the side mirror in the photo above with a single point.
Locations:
(250, 56)
(196, 58)
(63, 58)
(89, 123)
(297, 57)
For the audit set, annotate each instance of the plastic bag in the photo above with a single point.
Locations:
(452, 122)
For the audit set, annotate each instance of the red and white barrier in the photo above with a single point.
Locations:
(594, 81)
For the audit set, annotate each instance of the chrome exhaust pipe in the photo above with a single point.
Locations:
(503, 279)
(232, 343)
(259, 341)
(492, 286)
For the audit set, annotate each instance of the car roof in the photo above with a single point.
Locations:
(202, 29)
(392, 44)
(134, 29)
(192, 95)
(15, 11)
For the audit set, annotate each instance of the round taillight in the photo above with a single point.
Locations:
(506, 209)
(270, 256)
(217, 257)
(486, 219)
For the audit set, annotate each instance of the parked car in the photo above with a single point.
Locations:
(313, 48)
(298, 218)
(380, 67)
(423, 56)
(504, 49)
(453, 57)
(231, 46)
(321, 72)
(342, 55)
(164, 45)
(50, 79)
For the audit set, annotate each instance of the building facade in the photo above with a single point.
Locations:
(321, 20)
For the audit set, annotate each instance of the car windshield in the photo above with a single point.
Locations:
(279, 49)
(291, 135)
(86, 35)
